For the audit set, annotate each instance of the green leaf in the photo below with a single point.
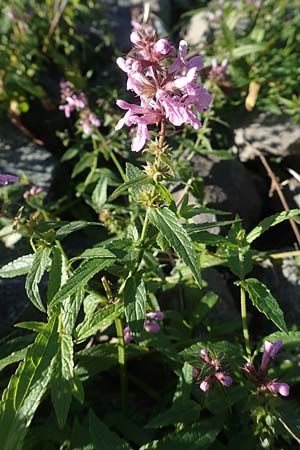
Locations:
(138, 181)
(40, 263)
(13, 358)
(20, 266)
(264, 301)
(167, 223)
(288, 340)
(271, 221)
(199, 436)
(92, 253)
(34, 326)
(56, 274)
(26, 388)
(84, 162)
(102, 318)
(135, 300)
(70, 154)
(247, 49)
(180, 412)
(62, 383)
(72, 227)
(80, 277)
(231, 351)
(103, 438)
(99, 195)
(204, 237)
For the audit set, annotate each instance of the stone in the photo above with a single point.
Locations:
(273, 134)
(19, 156)
(197, 29)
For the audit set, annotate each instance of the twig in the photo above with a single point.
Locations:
(57, 15)
(275, 186)
(297, 439)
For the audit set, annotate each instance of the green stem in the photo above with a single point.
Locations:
(244, 321)
(118, 166)
(122, 364)
(244, 306)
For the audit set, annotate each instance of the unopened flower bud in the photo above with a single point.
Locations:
(224, 379)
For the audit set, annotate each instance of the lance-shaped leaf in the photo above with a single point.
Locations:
(102, 318)
(135, 300)
(39, 266)
(138, 181)
(178, 238)
(269, 222)
(99, 195)
(264, 301)
(20, 266)
(81, 276)
(26, 388)
(62, 383)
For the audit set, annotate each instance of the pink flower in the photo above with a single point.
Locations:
(35, 190)
(127, 335)
(5, 179)
(258, 376)
(156, 315)
(151, 327)
(213, 365)
(168, 92)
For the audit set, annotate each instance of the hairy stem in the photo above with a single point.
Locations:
(122, 364)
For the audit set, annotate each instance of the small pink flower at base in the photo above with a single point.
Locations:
(278, 388)
(35, 190)
(127, 335)
(163, 49)
(258, 376)
(5, 179)
(270, 351)
(206, 384)
(151, 327)
(156, 315)
(224, 379)
(195, 372)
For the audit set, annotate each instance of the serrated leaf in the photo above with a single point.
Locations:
(100, 319)
(40, 263)
(84, 162)
(167, 223)
(99, 195)
(103, 438)
(71, 227)
(13, 358)
(62, 383)
(191, 211)
(56, 275)
(247, 49)
(269, 222)
(33, 326)
(26, 388)
(135, 300)
(91, 253)
(264, 301)
(288, 340)
(138, 181)
(20, 266)
(232, 352)
(204, 237)
(198, 436)
(180, 412)
(80, 277)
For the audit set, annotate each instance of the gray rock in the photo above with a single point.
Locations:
(19, 156)
(271, 133)
(230, 186)
(197, 29)
(284, 284)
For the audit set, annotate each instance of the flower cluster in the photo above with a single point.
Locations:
(73, 102)
(215, 373)
(218, 72)
(35, 190)
(5, 179)
(151, 324)
(258, 376)
(165, 83)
